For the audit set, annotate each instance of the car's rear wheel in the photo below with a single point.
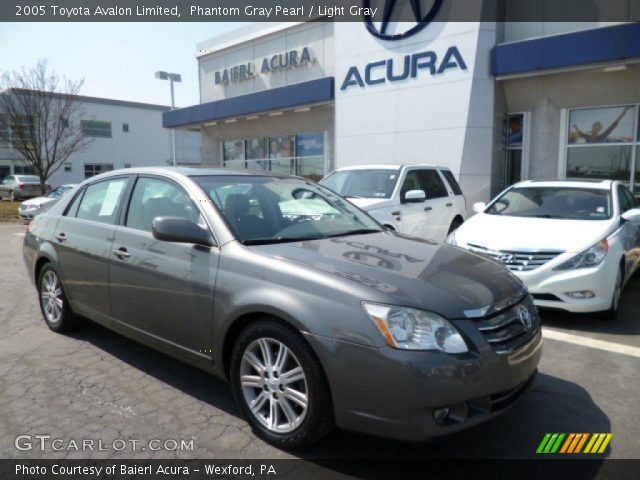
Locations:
(280, 387)
(53, 302)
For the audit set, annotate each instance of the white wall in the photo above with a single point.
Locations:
(444, 119)
(146, 144)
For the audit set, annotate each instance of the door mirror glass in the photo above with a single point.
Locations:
(414, 196)
(479, 207)
(180, 230)
(631, 215)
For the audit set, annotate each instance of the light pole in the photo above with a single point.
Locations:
(172, 77)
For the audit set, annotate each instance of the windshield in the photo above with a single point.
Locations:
(554, 202)
(262, 210)
(363, 183)
(58, 192)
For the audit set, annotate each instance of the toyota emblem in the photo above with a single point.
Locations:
(524, 317)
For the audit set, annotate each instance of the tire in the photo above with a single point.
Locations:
(294, 425)
(53, 302)
(612, 313)
(455, 224)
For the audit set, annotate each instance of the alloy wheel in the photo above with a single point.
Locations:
(274, 385)
(51, 297)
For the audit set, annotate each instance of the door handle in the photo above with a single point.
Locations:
(427, 209)
(449, 204)
(61, 237)
(122, 253)
(396, 213)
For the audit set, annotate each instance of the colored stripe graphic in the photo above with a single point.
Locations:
(573, 443)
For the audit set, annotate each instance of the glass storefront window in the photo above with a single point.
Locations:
(281, 146)
(604, 142)
(513, 143)
(233, 152)
(601, 125)
(603, 161)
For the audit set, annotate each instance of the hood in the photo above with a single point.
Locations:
(497, 232)
(38, 201)
(369, 203)
(406, 271)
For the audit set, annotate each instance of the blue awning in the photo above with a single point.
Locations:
(290, 96)
(608, 44)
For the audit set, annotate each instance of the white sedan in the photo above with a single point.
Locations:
(573, 243)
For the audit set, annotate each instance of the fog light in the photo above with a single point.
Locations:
(580, 294)
(441, 415)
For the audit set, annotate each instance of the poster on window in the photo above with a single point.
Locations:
(233, 150)
(601, 125)
(256, 148)
(310, 144)
(281, 146)
(515, 130)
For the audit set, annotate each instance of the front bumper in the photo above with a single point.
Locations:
(27, 214)
(394, 393)
(550, 287)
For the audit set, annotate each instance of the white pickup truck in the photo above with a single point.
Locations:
(424, 201)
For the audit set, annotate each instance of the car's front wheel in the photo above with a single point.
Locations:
(53, 302)
(617, 294)
(279, 385)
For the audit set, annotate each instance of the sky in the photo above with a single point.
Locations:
(116, 60)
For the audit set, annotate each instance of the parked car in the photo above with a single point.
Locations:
(30, 208)
(573, 243)
(420, 200)
(203, 264)
(20, 187)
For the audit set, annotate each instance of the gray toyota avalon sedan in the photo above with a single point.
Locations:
(315, 314)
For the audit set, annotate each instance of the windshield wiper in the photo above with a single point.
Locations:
(361, 231)
(269, 241)
(352, 196)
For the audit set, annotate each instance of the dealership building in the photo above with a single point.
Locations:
(495, 102)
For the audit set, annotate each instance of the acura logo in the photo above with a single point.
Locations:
(422, 12)
(524, 317)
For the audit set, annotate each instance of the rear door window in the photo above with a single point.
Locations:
(432, 184)
(451, 180)
(101, 201)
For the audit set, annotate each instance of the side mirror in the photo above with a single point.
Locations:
(414, 196)
(479, 207)
(631, 215)
(180, 230)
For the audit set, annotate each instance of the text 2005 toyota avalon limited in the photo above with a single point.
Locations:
(315, 314)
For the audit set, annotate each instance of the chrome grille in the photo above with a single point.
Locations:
(517, 261)
(505, 332)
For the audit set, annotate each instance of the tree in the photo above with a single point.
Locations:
(41, 116)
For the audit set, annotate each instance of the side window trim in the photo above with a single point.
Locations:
(78, 196)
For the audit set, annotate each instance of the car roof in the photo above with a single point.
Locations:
(189, 172)
(391, 166)
(595, 184)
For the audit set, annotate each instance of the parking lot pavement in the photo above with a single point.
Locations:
(97, 385)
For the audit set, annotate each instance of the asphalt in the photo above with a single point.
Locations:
(99, 385)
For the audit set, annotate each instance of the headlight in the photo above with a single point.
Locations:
(451, 238)
(412, 329)
(591, 257)
(29, 207)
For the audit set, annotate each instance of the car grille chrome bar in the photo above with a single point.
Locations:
(517, 261)
(505, 332)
